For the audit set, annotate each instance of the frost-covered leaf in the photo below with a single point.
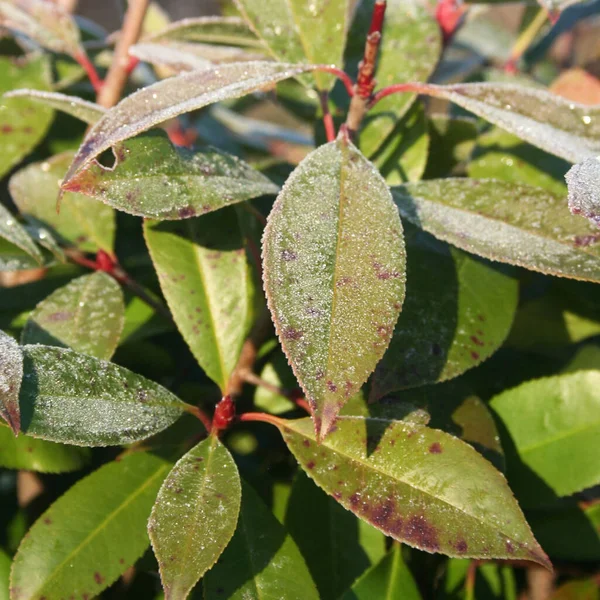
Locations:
(349, 547)
(195, 516)
(554, 424)
(30, 454)
(14, 234)
(81, 222)
(45, 239)
(261, 561)
(86, 315)
(418, 485)
(507, 222)
(77, 399)
(410, 49)
(172, 97)
(560, 127)
(584, 189)
(11, 375)
(22, 124)
(89, 112)
(334, 288)
(154, 179)
(47, 23)
(91, 534)
(203, 272)
(458, 311)
(390, 578)
(177, 57)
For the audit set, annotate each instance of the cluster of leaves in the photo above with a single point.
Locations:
(412, 271)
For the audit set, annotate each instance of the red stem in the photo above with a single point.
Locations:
(327, 118)
(341, 75)
(263, 417)
(378, 16)
(90, 69)
(400, 88)
(201, 416)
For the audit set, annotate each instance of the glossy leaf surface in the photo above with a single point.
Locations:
(584, 190)
(154, 179)
(77, 399)
(458, 311)
(81, 222)
(11, 375)
(203, 272)
(261, 561)
(334, 289)
(14, 234)
(195, 516)
(172, 97)
(388, 579)
(418, 485)
(553, 423)
(91, 534)
(560, 127)
(30, 454)
(22, 124)
(86, 315)
(507, 222)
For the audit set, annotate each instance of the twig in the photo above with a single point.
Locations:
(117, 75)
(263, 417)
(540, 583)
(341, 75)
(525, 40)
(365, 83)
(400, 88)
(200, 415)
(296, 396)
(470, 580)
(90, 69)
(69, 6)
(327, 118)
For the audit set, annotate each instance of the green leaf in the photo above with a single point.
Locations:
(47, 23)
(86, 315)
(172, 97)
(88, 225)
(77, 399)
(491, 581)
(558, 126)
(4, 575)
(29, 454)
(92, 534)
(577, 589)
(11, 375)
(261, 561)
(554, 423)
(334, 288)
(85, 111)
(12, 258)
(16, 236)
(389, 579)
(502, 221)
(502, 155)
(458, 311)
(22, 124)
(584, 190)
(418, 485)
(203, 272)
(410, 49)
(337, 547)
(154, 179)
(278, 373)
(195, 516)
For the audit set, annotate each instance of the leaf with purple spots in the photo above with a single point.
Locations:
(203, 272)
(418, 485)
(153, 178)
(11, 375)
(334, 270)
(511, 223)
(86, 315)
(195, 516)
(92, 534)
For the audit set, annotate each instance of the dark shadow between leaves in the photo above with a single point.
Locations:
(29, 393)
(34, 333)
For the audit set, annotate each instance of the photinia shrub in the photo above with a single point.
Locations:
(314, 280)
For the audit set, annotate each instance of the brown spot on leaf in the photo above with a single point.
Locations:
(306, 443)
(331, 386)
(310, 465)
(475, 355)
(354, 499)
(47, 521)
(288, 255)
(477, 341)
(98, 578)
(292, 334)
(435, 448)
(509, 547)
(59, 316)
(461, 546)
(421, 533)
(586, 240)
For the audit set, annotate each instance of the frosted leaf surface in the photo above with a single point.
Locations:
(45, 239)
(583, 181)
(334, 271)
(14, 233)
(203, 272)
(154, 179)
(261, 562)
(86, 315)
(89, 112)
(458, 311)
(556, 125)
(172, 97)
(77, 399)
(507, 222)
(195, 516)
(92, 534)
(420, 486)
(11, 375)
(81, 222)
